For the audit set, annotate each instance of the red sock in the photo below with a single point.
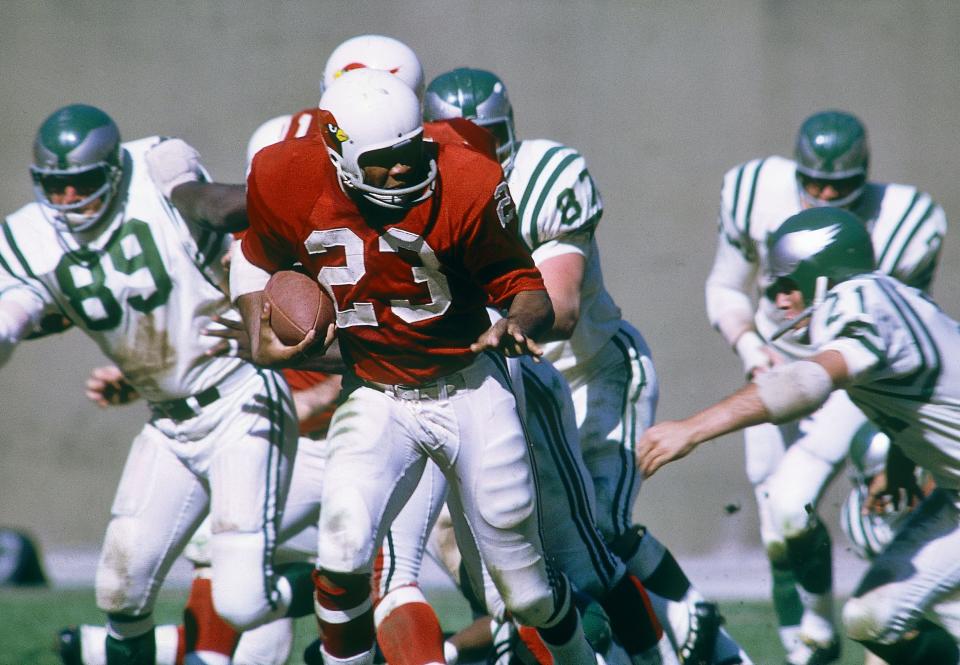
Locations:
(531, 638)
(411, 635)
(345, 613)
(631, 615)
(204, 630)
(181, 644)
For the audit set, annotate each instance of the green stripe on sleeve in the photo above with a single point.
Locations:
(534, 233)
(896, 229)
(913, 233)
(532, 181)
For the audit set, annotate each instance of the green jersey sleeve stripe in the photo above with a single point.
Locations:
(6, 266)
(906, 243)
(852, 332)
(736, 194)
(532, 182)
(534, 231)
(930, 358)
(752, 198)
(896, 229)
(12, 242)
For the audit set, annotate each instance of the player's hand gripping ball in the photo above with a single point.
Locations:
(297, 306)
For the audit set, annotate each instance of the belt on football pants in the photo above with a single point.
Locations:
(186, 408)
(442, 388)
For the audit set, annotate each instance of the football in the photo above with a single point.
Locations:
(297, 306)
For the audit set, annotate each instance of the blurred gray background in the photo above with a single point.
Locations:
(661, 97)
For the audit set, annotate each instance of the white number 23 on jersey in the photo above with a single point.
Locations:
(362, 313)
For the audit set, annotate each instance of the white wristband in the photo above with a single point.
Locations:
(450, 653)
(793, 390)
(749, 348)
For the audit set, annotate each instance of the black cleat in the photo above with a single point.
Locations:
(705, 622)
(67, 646)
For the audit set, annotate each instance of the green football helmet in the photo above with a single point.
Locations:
(832, 149)
(817, 243)
(476, 95)
(77, 147)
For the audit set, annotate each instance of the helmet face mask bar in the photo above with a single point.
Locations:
(831, 151)
(479, 96)
(373, 119)
(78, 148)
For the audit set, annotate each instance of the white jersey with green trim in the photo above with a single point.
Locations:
(559, 208)
(906, 225)
(900, 350)
(144, 286)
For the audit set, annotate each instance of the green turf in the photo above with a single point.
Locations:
(29, 620)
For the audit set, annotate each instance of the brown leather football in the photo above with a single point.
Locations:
(297, 306)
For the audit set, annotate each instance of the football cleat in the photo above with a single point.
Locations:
(810, 652)
(67, 646)
(705, 622)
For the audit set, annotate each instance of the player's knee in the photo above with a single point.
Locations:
(240, 574)
(346, 532)
(124, 572)
(527, 595)
(791, 516)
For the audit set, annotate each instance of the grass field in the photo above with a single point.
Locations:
(31, 619)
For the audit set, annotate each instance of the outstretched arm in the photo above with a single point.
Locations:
(779, 395)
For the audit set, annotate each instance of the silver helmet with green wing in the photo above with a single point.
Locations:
(831, 149)
(76, 165)
(827, 243)
(478, 95)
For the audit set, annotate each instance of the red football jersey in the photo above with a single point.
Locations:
(410, 286)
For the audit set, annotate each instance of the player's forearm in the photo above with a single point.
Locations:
(729, 311)
(729, 306)
(563, 277)
(216, 206)
(741, 409)
(532, 312)
(250, 306)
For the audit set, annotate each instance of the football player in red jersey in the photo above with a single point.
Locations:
(409, 239)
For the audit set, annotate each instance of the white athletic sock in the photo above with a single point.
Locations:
(168, 639)
(93, 645)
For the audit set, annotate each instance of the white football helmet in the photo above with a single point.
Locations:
(270, 132)
(374, 52)
(368, 111)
